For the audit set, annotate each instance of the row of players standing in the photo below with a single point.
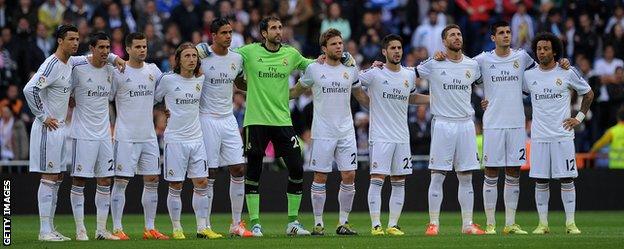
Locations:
(390, 89)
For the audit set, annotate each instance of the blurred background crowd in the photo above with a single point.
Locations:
(592, 32)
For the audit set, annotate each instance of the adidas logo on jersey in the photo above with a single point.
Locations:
(323, 76)
(178, 89)
(385, 82)
(89, 80)
(534, 83)
(443, 73)
(259, 59)
(212, 68)
(492, 66)
(128, 80)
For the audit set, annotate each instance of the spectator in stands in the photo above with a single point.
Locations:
(207, 18)
(608, 87)
(616, 39)
(420, 130)
(155, 52)
(44, 40)
(427, 34)
(99, 25)
(239, 109)
(522, 27)
(25, 10)
(352, 48)
(478, 12)
(187, 17)
(7, 66)
(150, 16)
(614, 137)
(585, 38)
(83, 34)
(129, 15)
(5, 17)
(240, 12)
(172, 35)
(361, 122)
(617, 18)
(50, 14)
(334, 20)
(117, 42)
(165, 7)
(238, 40)
(511, 7)
(13, 136)
(79, 10)
(115, 18)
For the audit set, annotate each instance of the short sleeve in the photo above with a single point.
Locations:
(577, 82)
(161, 89)
(367, 77)
(424, 69)
(77, 60)
(525, 85)
(528, 60)
(307, 79)
(356, 79)
(302, 62)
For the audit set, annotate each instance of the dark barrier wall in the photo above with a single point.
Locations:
(596, 190)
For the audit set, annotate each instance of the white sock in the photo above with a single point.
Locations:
(149, 200)
(318, 195)
(209, 195)
(77, 201)
(57, 185)
(118, 201)
(511, 194)
(568, 197)
(200, 206)
(465, 195)
(174, 205)
(374, 201)
(435, 197)
(345, 201)
(490, 194)
(397, 197)
(44, 201)
(542, 196)
(237, 197)
(102, 204)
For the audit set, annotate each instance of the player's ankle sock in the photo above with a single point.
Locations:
(209, 195)
(294, 201)
(149, 199)
(465, 195)
(102, 204)
(77, 202)
(374, 201)
(568, 196)
(200, 206)
(57, 185)
(542, 196)
(253, 207)
(345, 201)
(511, 194)
(118, 201)
(237, 197)
(397, 197)
(490, 194)
(318, 195)
(44, 201)
(174, 205)
(435, 197)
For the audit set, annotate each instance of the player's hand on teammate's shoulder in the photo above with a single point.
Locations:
(439, 56)
(564, 63)
(484, 104)
(347, 59)
(120, 64)
(570, 123)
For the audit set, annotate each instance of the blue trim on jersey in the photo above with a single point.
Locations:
(82, 63)
(37, 98)
(160, 78)
(576, 72)
(73, 162)
(42, 148)
(355, 82)
(49, 67)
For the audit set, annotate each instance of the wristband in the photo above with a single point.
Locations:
(580, 116)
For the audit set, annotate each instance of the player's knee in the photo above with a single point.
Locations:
(79, 181)
(397, 178)
(320, 177)
(200, 182)
(151, 178)
(566, 180)
(237, 170)
(104, 181)
(51, 177)
(348, 177)
(491, 171)
(512, 171)
(212, 173)
(175, 185)
(377, 176)
(542, 181)
(438, 172)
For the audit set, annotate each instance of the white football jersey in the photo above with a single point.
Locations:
(502, 79)
(220, 72)
(331, 86)
(550, 98)
(181, 96)
(91, 88)
(450, 86)
(133, 91)
(389, 94)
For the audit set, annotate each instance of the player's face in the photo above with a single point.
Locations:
(274, 32)
(138, 50)
(334, 48)
(545, 53)
(454, 40)
(101, 49)
(188, 59)
(223, 37)
(502, 37)
(393, 52)
(69, 44)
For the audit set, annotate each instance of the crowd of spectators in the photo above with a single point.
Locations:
(592, 32)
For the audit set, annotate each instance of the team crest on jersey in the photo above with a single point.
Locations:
(559, 82)
(151, 77)
(50, 165)
(285, 62)
(41, 81)
(170, 172)
(374, 165)
(78, 167)
(345, 75)
(468, 74)
(323, 77)
(119, 167)
(431, 160)
(198, 87)
(313, 161)
(406, 84)
(484, 158)
(233, 67)
(109, 79)
(516, 64)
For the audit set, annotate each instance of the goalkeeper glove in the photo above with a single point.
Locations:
(347, 59)
(203, 51)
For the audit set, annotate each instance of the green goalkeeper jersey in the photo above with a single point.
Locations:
(267, 76)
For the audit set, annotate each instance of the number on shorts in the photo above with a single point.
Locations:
(570, 164)
(406, 164)
(523, 156)
(112, 165)
(353, 162)
(295, 142)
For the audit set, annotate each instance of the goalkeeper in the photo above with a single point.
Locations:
(267, 67)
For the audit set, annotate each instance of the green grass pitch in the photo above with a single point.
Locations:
(600, 230)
